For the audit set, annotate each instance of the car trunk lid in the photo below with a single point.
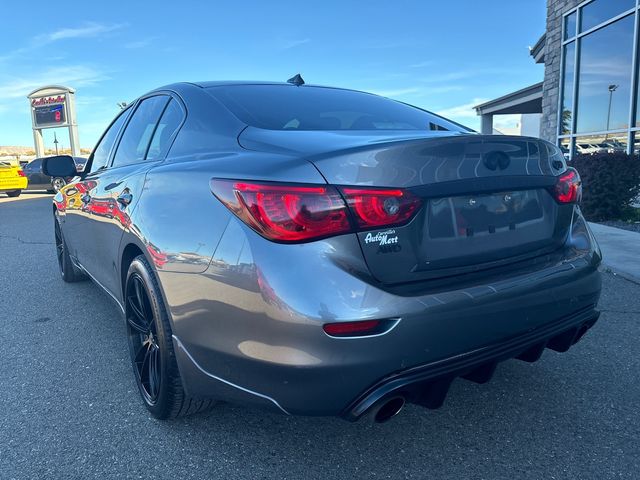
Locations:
(486, 200)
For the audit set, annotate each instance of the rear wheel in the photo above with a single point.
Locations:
(151, 348)
(15, 193)
(68, 271)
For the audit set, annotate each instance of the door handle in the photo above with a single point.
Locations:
(125, 198)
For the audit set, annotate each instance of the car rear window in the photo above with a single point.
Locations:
(287, 107)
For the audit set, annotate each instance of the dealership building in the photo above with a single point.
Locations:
(589, 95)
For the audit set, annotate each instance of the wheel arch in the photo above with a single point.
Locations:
(132, 248)
(130, 251)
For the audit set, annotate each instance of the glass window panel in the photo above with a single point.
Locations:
(599, 11)
(612, 143)
(137, 134)
(168, 124)
(570, 26)
(604, 77)
(567, 89)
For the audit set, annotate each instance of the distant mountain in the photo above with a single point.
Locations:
(13, 151)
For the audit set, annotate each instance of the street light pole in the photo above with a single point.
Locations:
(55, 142)
(612, 88)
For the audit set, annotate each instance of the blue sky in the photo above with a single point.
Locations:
(444, 55)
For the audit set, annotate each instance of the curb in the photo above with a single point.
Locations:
(614, 271)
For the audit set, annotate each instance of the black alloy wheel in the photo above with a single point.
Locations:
(68, 271)
(60, 250)
(143, 340)
(151, 346)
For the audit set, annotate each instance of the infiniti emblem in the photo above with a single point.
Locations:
(494, 160)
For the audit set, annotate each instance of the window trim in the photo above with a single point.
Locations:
(124, 129)
(89, 165)
(173, 136)
(167, 93)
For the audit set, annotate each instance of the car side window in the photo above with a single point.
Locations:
(167, 126)
(137, 135)
(33, 166)
(102, 150)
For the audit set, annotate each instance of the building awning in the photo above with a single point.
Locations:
(527, 100)
(537, 51)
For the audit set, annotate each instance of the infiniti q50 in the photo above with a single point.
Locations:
(322, 251)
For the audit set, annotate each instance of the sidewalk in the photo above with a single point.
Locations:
(620, 249)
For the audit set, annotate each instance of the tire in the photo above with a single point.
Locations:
(68, 271)
(151, 347)
(57, 183)
(15, 193)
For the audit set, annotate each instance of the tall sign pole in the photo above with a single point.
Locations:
(54, 106)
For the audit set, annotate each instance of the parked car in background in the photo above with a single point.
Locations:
(612, 146)
(321, 251)
(12, 179)
(39, 181)
(586, 149)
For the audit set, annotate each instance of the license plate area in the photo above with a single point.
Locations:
(483, 215)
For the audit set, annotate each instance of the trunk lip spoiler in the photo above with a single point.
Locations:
(480, 185)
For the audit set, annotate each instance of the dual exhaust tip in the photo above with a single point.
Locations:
(387, 409)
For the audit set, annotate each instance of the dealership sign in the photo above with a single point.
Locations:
(37, 102)
(53, 106)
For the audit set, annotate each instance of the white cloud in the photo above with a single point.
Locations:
(145, 42)
(294, 43)
(462, 111)
(89, 29)
(397, 92)
(76, 75)
(426, 63)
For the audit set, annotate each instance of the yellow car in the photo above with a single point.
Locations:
(12, 178)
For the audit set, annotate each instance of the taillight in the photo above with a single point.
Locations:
(285, 213)
(360, 328)
(21, 173)
(297, 212)
(568, 187)
(381, 207)
(352, 329)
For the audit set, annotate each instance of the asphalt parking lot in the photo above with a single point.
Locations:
(69, 406)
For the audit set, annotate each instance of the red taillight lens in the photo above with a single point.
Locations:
(568, 188)
(285, 213)
(21, 173)
(381, 207)
(352, 329)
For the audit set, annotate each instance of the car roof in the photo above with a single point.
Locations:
(221, 83)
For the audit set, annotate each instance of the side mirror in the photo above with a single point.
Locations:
(60, 166)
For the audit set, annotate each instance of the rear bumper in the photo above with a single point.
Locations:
(427, 385)
(250, 331)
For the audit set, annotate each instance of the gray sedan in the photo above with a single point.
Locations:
(321, 251)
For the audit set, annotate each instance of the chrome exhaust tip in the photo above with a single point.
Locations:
(388, 409)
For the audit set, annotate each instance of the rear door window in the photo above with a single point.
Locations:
(139, 131)
(164, 133)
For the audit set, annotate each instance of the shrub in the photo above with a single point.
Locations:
(610, 184)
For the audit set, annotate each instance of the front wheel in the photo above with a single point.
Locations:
(68, 271)
(151, 347)
(15, 193)
(57, 183)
